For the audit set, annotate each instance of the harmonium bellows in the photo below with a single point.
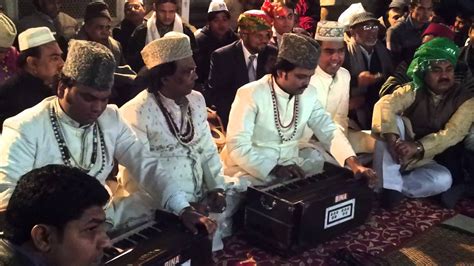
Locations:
(161, 242)
(293, 215)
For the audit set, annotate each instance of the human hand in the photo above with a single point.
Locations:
(406, 149)
(192, 219)
(366, 79)
(216, 200)
(361, 171)
(287, 171)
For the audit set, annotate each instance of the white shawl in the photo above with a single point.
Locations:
(152, 32)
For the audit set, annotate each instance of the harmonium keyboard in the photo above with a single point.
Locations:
(295, 214)
(163, 241)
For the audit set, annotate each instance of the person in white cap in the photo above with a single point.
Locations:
(165, 18)
(134, 16)
(40, 63)
(369, 63)
(269, 116)
(77, 128)
(216, 34)
(332, 82)
(171, 120)
(8, 53)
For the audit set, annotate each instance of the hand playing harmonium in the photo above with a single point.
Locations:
(287, 171)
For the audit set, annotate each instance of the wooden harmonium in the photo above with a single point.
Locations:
(299, 213)
(163, 241)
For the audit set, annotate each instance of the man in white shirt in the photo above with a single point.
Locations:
(77, 128)
(332, 83)
(268, 118)
(171, 120)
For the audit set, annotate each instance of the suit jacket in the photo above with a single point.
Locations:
(228, 72)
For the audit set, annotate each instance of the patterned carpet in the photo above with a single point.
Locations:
(383, 232)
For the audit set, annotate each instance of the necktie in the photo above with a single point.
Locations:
(251, 69)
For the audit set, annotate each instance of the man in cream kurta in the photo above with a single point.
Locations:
(171, 120)
(268, 118)
(332, 82)
(78, 129)
(420, 126)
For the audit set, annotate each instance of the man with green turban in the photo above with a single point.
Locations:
(420, 127)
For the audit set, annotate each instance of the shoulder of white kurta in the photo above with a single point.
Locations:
(30, 119)
(344, 73)
(197, 98)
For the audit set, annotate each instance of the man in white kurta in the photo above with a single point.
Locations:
(78, 129)
(333, 83)
(187, 151)
(268, 118)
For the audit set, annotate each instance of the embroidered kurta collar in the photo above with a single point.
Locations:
(320, 72)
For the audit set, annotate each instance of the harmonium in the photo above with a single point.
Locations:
(161, 242)
(291, 216)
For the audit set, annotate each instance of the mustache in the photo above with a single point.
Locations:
(444, 80)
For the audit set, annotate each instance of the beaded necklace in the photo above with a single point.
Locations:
(66, 154)
(183, 138)
(276, 115)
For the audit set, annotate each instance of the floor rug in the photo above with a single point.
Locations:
(383, 232)
(449, 243)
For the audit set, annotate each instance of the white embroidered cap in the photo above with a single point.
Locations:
(216, 6)
(7, 31)
(35, 37)
(171, 47)
(330, 31)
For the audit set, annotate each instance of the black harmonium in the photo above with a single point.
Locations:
(162, 242)
(299, 213)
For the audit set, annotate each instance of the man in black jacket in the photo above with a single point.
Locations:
(164, 20)
(240, 62)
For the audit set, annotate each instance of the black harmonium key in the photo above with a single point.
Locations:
(299, 213)
(164, 241)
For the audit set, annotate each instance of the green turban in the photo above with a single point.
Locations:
(436, 49)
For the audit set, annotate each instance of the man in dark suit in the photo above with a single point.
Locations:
(240, 62)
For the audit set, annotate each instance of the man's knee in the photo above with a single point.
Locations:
(444, 180)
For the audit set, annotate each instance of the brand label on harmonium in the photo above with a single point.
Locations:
(173, 261)
(339, 213)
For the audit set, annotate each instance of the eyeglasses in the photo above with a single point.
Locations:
(370, 27)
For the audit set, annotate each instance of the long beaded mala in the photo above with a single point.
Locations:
(66, 154)
(276, 114)
(188, 135)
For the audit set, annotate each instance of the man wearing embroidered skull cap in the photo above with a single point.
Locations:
(332, 83)
(268, 118)
(77, 128)
(240, 62)
(40, 63)
(420, 127)
(174, 118)
(8, 53)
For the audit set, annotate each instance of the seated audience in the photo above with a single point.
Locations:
(40, 62)
(216, 34)
(77, 128)
(240, 62)
(134, 12)
(421, 126)
(369, 63)
(268, 118)
(55, 217)
(400, 76)
(163, 20)
(461, 27)
(8, 53)
(405, 37)
(47, 14)
(284, 19)
(467, 52)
